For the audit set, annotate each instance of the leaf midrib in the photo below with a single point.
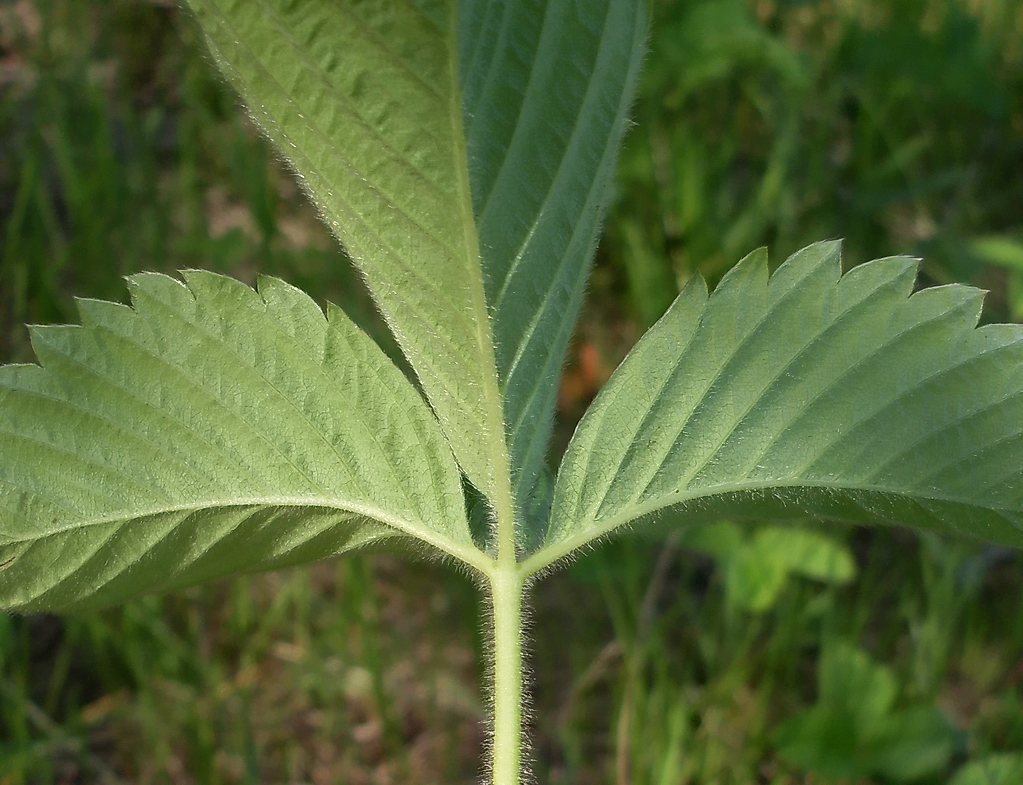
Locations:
(469, 554)
(495, 437)
(585, 532)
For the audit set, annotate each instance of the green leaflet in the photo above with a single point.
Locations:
(205, 430)
(363, 99)
(546, 87)
(809, 393)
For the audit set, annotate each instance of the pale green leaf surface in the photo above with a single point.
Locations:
(546, 91)
(813, 393)
(207, 429)
(363, 99)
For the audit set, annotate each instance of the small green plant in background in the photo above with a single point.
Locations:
(1006, 253)
(770, 124)
(755, 568)
(1002, 769)
(462, 153)
(854, 731)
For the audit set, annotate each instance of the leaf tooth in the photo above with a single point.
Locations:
(94, 313)
(734, 381)
(740, 299)
(213, 290)
(46, 338)
(161, 288)
(823, 257)
(895, 274)
(294, 310)
(959, 305)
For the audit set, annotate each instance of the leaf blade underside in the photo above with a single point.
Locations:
(363, 99)
(546, 88)
(810, 392)
(207, 429)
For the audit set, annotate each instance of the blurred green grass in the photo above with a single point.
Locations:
(898, 125)
(895, 125)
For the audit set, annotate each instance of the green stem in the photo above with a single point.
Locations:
(507, 589)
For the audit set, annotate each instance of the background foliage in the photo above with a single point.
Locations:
(706, 659)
